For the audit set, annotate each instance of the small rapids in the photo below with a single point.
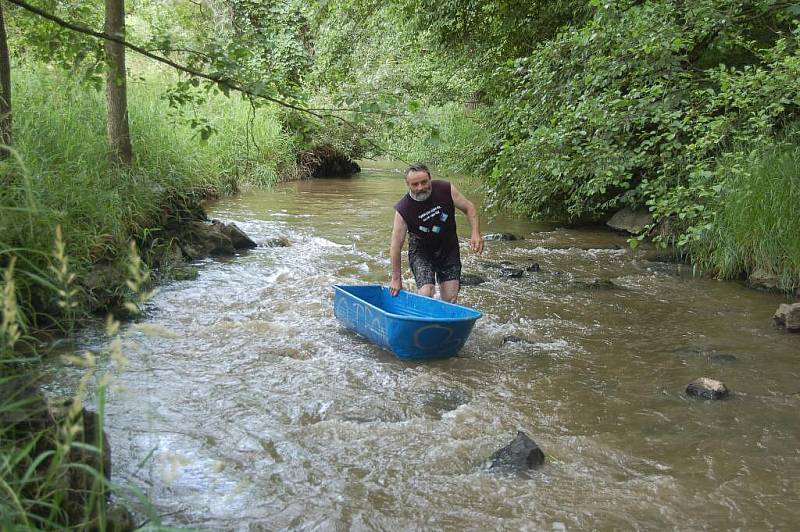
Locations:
(250, 407)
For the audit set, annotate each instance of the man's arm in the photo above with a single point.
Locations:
(399, 231)
(466, 206)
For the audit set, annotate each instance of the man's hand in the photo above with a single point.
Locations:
(476, 244)
(395, 286)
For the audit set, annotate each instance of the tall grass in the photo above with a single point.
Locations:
(756, 226)
(60, 174)
(53, 460)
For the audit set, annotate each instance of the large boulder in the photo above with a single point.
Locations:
(326, 161)
(788, 316)
(520, 455)
(632, 221)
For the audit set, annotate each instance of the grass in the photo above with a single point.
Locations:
(755, 226)
(60, 174)
(53, 460)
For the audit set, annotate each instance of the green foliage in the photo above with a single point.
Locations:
(53, 455)
(447, 136)
(613, 113)
(35, 39)
(62, 176)
(753, 225)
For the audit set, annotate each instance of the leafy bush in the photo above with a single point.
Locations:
(613, 113)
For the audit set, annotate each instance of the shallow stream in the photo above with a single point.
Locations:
(259, 411)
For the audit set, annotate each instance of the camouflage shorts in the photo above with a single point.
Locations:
(427, 272)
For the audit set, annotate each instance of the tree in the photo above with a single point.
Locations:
(5, 90)
(119, 137)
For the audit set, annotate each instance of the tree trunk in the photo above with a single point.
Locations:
(5, 90)
(119, 137)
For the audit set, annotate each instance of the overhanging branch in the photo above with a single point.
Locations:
(218, 79)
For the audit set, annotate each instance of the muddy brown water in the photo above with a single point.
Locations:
(259, 411)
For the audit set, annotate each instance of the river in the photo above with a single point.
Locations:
(259, 411)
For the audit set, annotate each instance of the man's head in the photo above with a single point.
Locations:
(418, 179)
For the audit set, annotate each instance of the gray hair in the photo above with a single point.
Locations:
(417, 167)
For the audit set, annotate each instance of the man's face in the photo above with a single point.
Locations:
(419, 185)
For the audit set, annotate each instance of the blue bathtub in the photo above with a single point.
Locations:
(409, 325)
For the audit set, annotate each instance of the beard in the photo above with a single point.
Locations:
(421, 196)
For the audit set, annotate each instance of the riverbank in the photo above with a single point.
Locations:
(68, 219)
(60, 176)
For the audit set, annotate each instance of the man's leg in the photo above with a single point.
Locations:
(449, 290)
(449, 279)
(422, 268)
(426, 290)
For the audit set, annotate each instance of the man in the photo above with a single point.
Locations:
(427, 213)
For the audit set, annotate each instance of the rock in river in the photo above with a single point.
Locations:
(510, 273)
(788, 316)
(630, 220)
(512, 339)
(520, 455)
(472, 279)
(277, 242)
(722, 358)
(502, 236)
(595, 284)
(705, 388)
(238, 238)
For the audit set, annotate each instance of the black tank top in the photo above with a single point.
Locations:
(433, 221)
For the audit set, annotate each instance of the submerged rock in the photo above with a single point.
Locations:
(520, 455)
(669, 255)
(595, 284)
(764, 280)
(705, 388)
(496, 265)
(532, 267)
(472, 279)
(507, 237)
(277, 242)
(721, 358)
(187, 273)
(514, 339)
(437, 402)
(510, 273)
(788, 316)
